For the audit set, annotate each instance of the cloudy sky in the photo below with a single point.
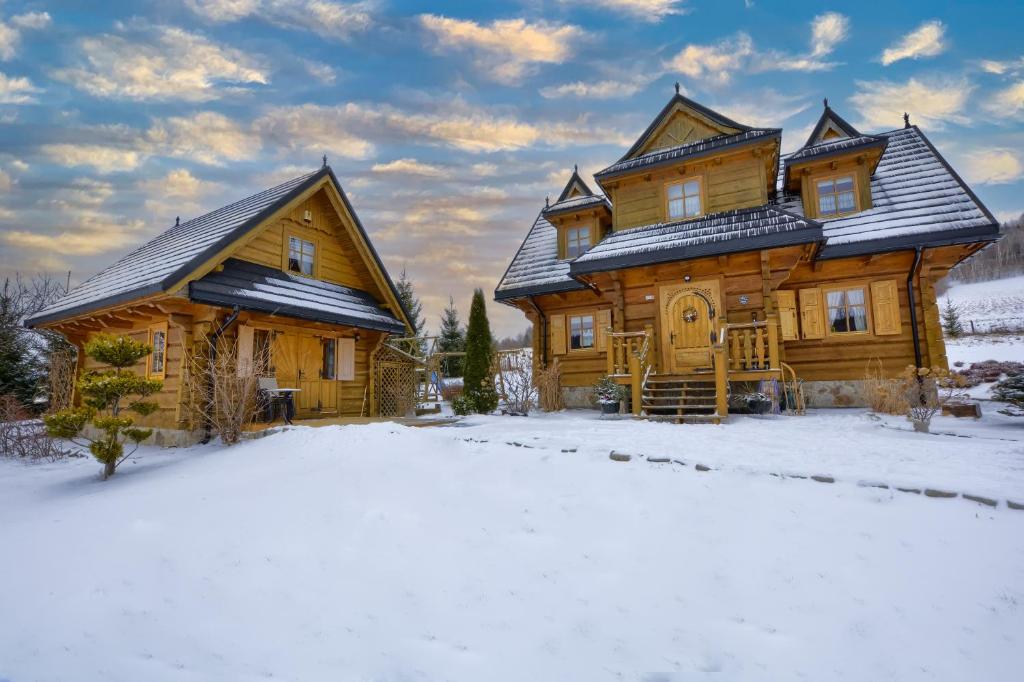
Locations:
(448, 123)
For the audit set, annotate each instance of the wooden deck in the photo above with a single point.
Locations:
(346, 421)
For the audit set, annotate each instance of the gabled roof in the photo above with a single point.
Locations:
(536, 268)
(917, 200)
(679, 99)
(576, 195)
(818, 146)
(269, 290)
(829, 118)
(715, 234)
(696, 149)
(173, 255)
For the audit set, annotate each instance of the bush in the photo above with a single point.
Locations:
(477, 370)
(486, 398)
(24, 438)
(463, 405)
(1010, 390)
(606, 391)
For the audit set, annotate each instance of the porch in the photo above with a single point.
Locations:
(699, 392)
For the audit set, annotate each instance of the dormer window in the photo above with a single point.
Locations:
(577, 241)
(684, 199)
(301, 255)
(836, 196)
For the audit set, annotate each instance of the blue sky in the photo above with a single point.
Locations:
(448, 123)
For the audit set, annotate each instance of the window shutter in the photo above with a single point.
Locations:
(812, 318)
(244, 354)
(602, 322)
(556, 334)
(346, 368)
(885, 304)
(787, 314)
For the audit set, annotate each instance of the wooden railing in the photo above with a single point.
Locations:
(630, 356)
(720, 357)
(753, 346)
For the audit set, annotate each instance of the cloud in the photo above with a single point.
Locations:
(1001, 68)
(714, 62)
(932, 103)
(86, 235)
(505, 50)
(163, 63)
(923, 41)
(327, 19)
(646, 10)
(827, 31)
(315, 128)
(16, 90)
(207, 137)
(767, 108)
(410, 167)
(104, 158)
(605, 89)
(1007, 103)
(10, 34)
(322, 72)
(83, 193)
(5, 182)
(176, 194)
(994, 166)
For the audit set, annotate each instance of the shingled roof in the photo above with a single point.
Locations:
(819, 147)
(917, 200)
(744, 229)
(269, 290)
(568, 201)
(175, 253)
(536, 268)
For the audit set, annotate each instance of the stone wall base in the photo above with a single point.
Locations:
(579, 396)
(164, 438)
(843, 393)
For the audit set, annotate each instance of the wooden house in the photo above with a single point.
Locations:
(711, 260)
(288, 272)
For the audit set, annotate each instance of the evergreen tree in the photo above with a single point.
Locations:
(412, 305)
(452, 339)
(951, 320)
(477, 378)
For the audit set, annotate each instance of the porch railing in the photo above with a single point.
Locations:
(630, 356)
(752, 346)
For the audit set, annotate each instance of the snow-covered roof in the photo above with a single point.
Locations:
(834, 146)
(715, 234)
(269, 290)
(577, 203)
(690, 149)
(917, 200)
(172, 255)
(536, 268)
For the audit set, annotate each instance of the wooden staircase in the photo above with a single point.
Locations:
(685, 399)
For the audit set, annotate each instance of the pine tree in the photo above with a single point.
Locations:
(477, 379)
(409, 301)
(951, 323)
(452, 339)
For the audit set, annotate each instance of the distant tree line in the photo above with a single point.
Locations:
(1002, 259)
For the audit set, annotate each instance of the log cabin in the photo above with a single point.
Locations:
(288, 273)
(710, 261)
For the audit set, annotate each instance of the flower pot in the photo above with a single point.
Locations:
(920, 426)
(610, 408)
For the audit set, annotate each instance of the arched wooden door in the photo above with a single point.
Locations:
(690, 329)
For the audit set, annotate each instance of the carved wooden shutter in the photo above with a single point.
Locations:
(556, 334)
(885, 304)
(243, 361)
(602, 322)
(346, 368)
(812, 317)
(787, 314)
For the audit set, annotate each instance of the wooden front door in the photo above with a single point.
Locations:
(689, 330)
(309, 358)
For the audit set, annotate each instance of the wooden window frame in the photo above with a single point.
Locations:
(152, 331)
(853, 175)
(569, 317)
(286, 256)
(699, 178)
(565, 238)
(864, 286)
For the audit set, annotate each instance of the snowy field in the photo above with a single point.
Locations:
(990, 304)
(514, 549)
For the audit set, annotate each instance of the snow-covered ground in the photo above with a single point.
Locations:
(989, 304)
(510, 548)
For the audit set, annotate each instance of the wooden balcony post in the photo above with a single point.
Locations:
(721, 380)
(773, 341)
(636, 381)
(609, 351)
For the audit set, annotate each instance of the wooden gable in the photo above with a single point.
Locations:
(830, 126)
(682, 121)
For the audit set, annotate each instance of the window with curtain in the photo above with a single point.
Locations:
(581, 332)
(577, 241)
(836, 196)
(158, 358)
(847, 310)
(684, 199)
(300, 256)
(330, 347)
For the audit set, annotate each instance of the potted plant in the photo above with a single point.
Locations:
(608, 395)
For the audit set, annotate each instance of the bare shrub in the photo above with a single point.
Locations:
(223, 392)
(549, 387)
(886, 395)
(515, 381)
(450, 390)
(27, 439)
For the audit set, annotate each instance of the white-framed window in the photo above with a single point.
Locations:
(836, 196)
(157, 365)
(581, 332)
(684, 199)
(301, 256)
(577, 241)
(847, 310)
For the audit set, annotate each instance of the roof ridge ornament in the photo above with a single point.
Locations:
(325, 161)
(177, 220)
(906, 120)
(677, 87)
(826, 102)
(547, 201)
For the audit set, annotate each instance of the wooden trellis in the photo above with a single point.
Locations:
(396, 381)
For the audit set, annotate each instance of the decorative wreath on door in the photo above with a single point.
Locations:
(690, 315)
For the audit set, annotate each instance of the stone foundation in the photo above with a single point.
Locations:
(845, 393)
(164, 438)
(579, 397)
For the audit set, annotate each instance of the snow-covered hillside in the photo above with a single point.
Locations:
(514, 549)
(990, 304)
